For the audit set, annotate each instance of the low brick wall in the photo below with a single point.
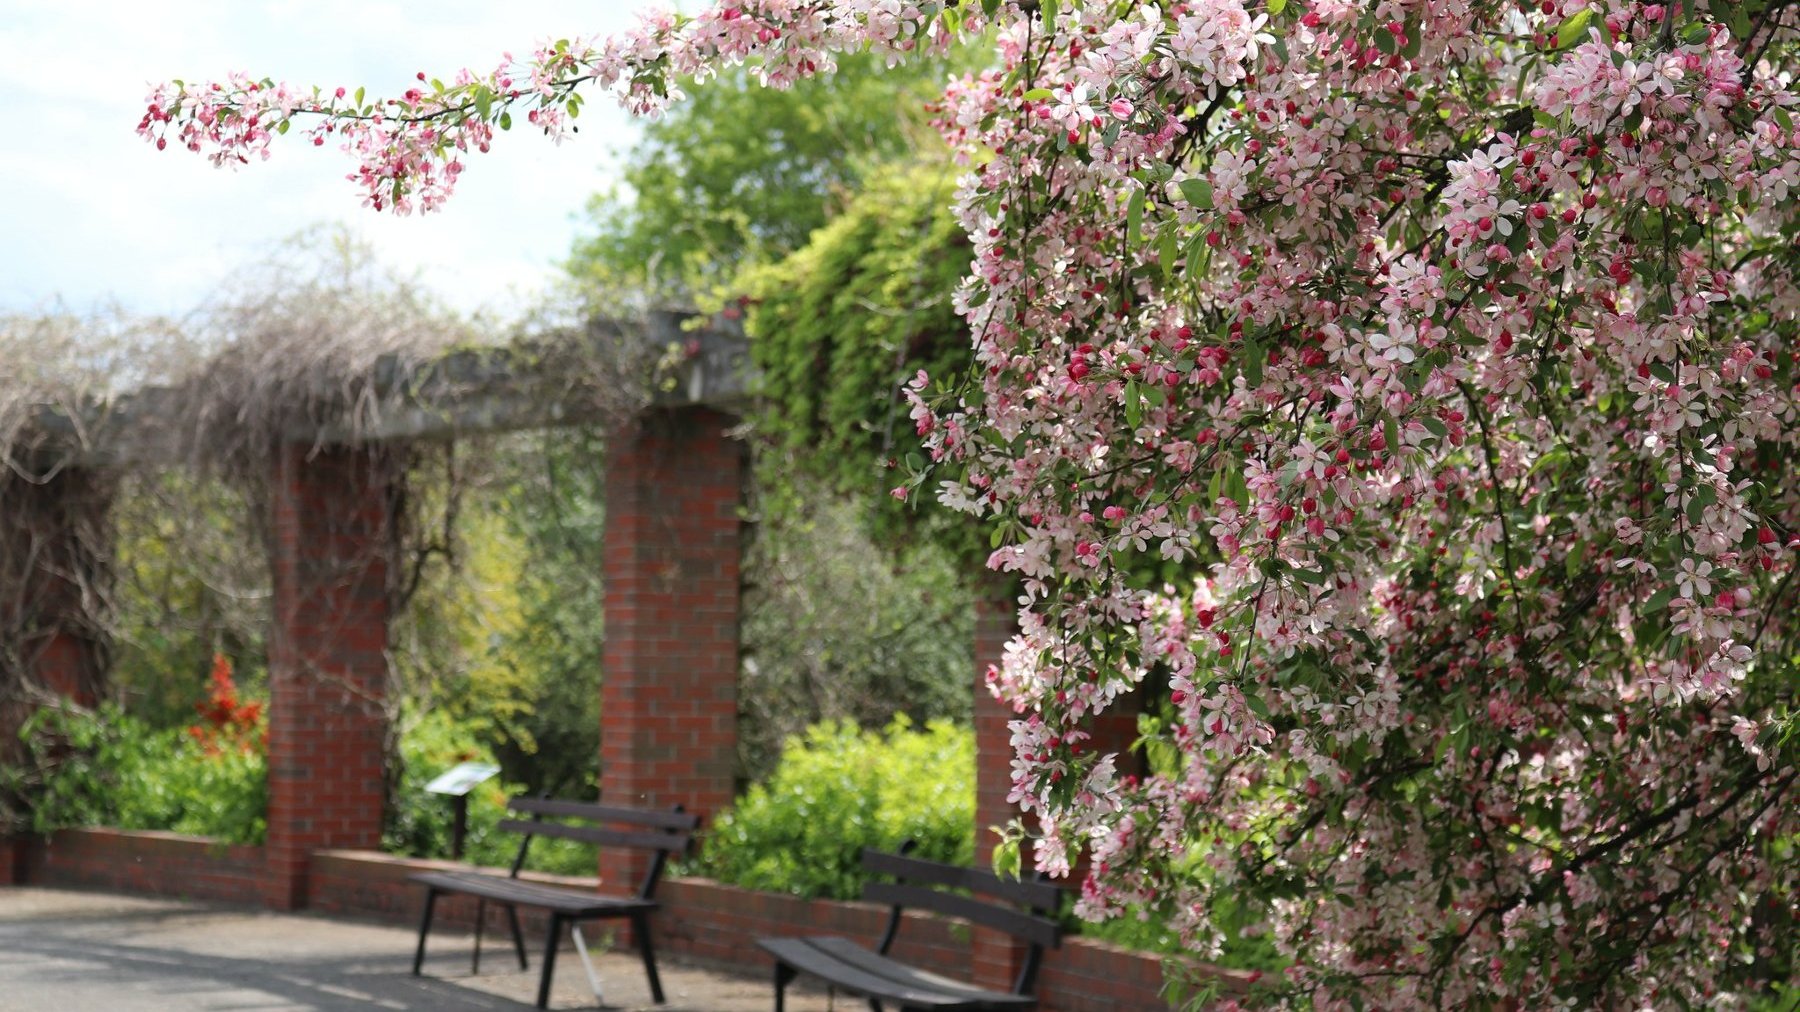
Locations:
(12, 860)
(700, 919)
(146, 863)
(718, 924)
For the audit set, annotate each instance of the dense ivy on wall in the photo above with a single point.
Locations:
(838, 327)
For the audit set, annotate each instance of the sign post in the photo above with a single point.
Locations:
(456, 783)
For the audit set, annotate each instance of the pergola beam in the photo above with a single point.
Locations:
(465, 392)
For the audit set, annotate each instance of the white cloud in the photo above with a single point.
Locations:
(90, 213)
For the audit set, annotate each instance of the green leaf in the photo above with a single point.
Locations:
(1038, 95)
(505, 120)
(1253, 363)
(359, 98)
(1134, 409)
(1315, 577)
(1198, 193)
(1415, 40)
(484, 102)
(1574, 29)
(1390, 429)
(1659, 600)
(1276, 7)
(1007, 860)
(1134, 215)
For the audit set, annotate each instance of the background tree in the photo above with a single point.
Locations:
(740, 176)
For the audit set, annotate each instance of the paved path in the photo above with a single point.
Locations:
(87, 952)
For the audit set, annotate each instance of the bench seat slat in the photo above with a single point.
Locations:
(845, 964)
(867, 959)
(534, 894)
(1038, 930)
(593, 834)
(605, 813)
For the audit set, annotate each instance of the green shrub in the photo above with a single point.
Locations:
(108, 768)
(838, 789)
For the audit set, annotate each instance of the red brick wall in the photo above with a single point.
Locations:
(145, 863)
(328, 665)
(12, 860)
(700, 919)
(668, 699)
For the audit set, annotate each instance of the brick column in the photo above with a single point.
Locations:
(995, 956)
(331, 551)
(668, 698)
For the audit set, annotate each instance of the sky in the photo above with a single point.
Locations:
(91, 215)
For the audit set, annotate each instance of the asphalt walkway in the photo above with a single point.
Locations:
(66, 951)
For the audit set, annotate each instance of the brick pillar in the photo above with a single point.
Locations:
(668, 698)
(995, 956)
(331, 546)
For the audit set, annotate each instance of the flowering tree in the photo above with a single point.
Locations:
(1446, 350)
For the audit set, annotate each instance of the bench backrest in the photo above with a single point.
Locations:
(927, 885)
(663, 832)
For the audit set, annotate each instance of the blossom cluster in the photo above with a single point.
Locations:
(1410, 386)
(410, 149)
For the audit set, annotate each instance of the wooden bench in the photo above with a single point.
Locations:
(664, 833)
(918, 884)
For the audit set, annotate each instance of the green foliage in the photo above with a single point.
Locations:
(190, 579)
(505, 633)
(839, 789)
(740, 174)
(835, 629)
(1245, 947)
(108, 768)
(838, 327)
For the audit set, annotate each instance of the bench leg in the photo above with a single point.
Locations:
(640, 926)
(784, 974)
(512, 917)
(480, 918)
(554, 936)
(424, 929)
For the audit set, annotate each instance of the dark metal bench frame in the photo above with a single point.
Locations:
(921, 884)
(664, 832)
